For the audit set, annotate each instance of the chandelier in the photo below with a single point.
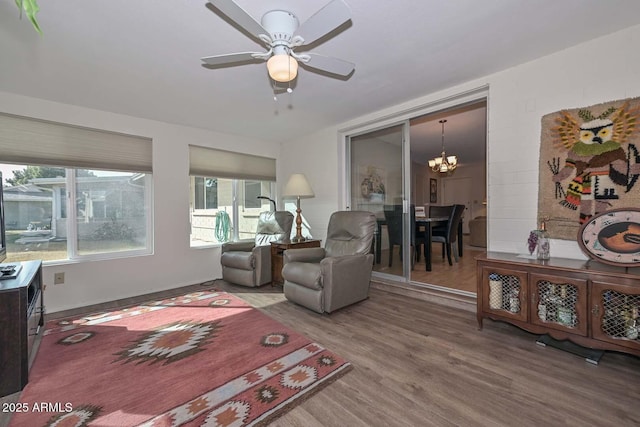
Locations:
(443, 164)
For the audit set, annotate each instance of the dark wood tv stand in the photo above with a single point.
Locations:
(21, 322)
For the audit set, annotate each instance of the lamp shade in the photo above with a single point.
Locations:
(298, 186)
(282, 67)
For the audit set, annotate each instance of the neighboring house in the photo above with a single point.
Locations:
(104, 199)
(27, 207)
(40, 207)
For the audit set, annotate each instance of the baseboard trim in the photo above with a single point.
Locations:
(444, 296)
(124, 302)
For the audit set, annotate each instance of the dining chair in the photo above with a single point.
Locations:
(448, 234)
(393, 217)
(440, 211)
(417, 238)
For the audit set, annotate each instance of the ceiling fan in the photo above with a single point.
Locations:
(281, 33)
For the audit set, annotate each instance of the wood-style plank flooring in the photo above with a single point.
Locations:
(417, 363)
(459, 276)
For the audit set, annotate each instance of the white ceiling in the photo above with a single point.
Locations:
(465, 134)
(142, 57)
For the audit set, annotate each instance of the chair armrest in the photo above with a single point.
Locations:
(240, 245)
(343, 264)
(303, 255)
(262, 258)
(345, 279)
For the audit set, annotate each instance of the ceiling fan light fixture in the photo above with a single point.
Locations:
(282, 68)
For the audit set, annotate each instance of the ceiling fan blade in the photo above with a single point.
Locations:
(229, 58)
(239, 16)
(330, 17)
(330, 65)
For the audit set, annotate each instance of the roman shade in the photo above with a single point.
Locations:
(212, 162)
(26, 140)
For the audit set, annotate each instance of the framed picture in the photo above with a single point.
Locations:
(372, 183)
(433, 190)
(613, 237)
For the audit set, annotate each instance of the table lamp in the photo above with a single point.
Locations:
(298, 187)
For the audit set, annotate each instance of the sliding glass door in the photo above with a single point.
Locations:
(377, 183)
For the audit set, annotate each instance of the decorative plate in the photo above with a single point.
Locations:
(613, 237)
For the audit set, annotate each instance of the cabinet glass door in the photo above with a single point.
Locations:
(505, 292)
(559, 303)
(615, 313)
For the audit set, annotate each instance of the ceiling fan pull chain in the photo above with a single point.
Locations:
(289, 90)
(275, 95)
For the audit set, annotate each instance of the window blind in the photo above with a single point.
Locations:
(211, 162)
(26, 140)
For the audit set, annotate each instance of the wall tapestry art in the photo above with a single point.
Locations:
(589, 163)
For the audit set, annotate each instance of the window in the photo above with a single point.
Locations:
(206, 193)
(252, 189)
(106, 214)
(224, 191)
(74, 192)
(217, 224)
(112, 211)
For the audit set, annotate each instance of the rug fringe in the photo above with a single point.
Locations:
(284, 407)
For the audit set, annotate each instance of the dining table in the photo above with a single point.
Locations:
(427, 224)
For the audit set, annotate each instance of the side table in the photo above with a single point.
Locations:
(277, 251)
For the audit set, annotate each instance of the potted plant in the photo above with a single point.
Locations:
(30, 8)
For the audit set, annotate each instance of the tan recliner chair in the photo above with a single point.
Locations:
(329, 278)
(248, 262)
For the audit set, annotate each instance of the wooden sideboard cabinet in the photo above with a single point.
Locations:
(21, 321)
(588, 303)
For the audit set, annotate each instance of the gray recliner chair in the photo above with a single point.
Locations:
(248, 262)
(329, 278)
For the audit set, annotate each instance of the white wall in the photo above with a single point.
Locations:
(476, 172)
(601, 70)
(173, 263)
(319, 162)
(518, 98)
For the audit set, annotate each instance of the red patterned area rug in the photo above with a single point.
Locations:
(205, 358)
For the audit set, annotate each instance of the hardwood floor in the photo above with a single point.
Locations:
(460, 276)
(417, 363)
(420, 363)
